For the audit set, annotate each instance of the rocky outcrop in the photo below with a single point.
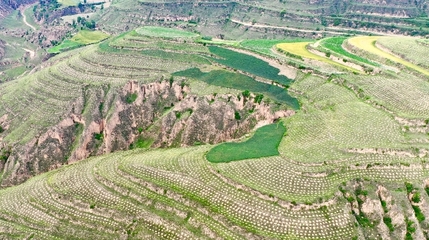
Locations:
(159, 114)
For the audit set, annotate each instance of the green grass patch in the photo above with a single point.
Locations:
(263, 143)
(12, 73)
(82, 38)
(242, 82)
(248, 64)
(69, 2)
(142, 143)
(162, 32)
(335, 44)
(89, 37)
(264, 46)
(64, 46)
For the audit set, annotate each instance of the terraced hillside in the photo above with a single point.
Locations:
(347, 156)
(122, 94)
(272, 19)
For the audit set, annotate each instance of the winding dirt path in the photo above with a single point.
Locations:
(24, 18)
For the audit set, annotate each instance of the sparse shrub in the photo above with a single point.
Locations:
(140, 129)
(171, 81)
(384, 205)
(258, 98)
(246, 93)
(98, 136)
(178, 114)
(409, 187)
(130, 98)
(388, 222)
(237, 115)
(4, 155)
(1, 129)
(419, 215)
(416, 197)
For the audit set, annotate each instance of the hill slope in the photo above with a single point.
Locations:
(353, 163)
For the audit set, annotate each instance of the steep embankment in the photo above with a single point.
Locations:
(116, 96)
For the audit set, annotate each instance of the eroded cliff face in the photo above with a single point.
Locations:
(160, 114)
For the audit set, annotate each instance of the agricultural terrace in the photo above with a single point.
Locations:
(69, 2)
(161, 32)
(242, 82)
(300, 49)
(335, 44)
(368, 43)
(408, 48)
(264, 46)
(263, 143)
(82, 38)
(357, 140)
(104, 195)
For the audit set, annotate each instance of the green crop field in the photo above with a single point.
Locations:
(69, 2)
(300, 49)
(266, 46)
(238, 81)
(165, 32)
(82, 38)
(248, 64)
(334, 44)
(263, 143)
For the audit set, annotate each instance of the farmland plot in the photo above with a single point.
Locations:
(368, 44)
(410, 49)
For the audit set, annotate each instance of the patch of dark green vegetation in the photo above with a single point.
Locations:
(241, 82)
(263, 143)
(248, 64)
(98, 136)
(141, 142)
(410, 229)
(130, 98)
(5, 153)
(419, 215)
(335, 44)
(415, 199)
(388, 222)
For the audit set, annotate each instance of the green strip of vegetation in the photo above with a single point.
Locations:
(242, 82)
(165, 32)
(263, 143)
(82, 38)
(248, 64)
(335, 44)
(264, 46)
